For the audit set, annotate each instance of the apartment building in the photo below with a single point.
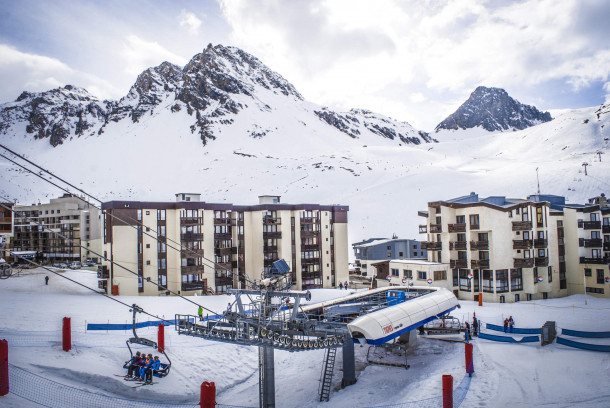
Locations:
(505, 250)
(587, 240)
(413, 272)
(6, 226)
(190, 246)
(37, 228)
(375, 250)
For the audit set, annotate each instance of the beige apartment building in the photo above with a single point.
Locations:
(36, 228)
(190, 246)
(587, 242)
(505, 250)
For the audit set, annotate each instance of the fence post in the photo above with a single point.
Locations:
(208, 395)
(67, 334)
(469, 361)
(447, 391)
(161, 338)
(3, 367)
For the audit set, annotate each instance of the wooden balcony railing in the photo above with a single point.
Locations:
(193, 286)
(522, 244)
(479, 245)
(523, 262)
(479, 264)
(223, 251)
(434, 228)
(457, 227)
(423, 229)
(542, 261)
(191, 237)
(192, 269)
(432, 246)
(589, 225)
(458, 245)
(598, 261)
(272, 220)
(458, 263)
(605, 229)
(273, 234)
(593, 243)
(522, 225)
(540, 243)
(305, 234)
(191, 220)
(309, 220)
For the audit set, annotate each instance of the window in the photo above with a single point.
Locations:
(595, 290)
(525, 216)
(464, 281)
(161, 215)
(539, 217)
(501, 280)
(526, 254)
(147, 262)
(596, 235)
(422, 275)
(407, 274)
(551, 274)
(540, 234)
(161, 230)
(395, 272)
(440, 275)
(147, 212)
(476, 282)
(516, 279)
(163, 280)
(588, 272)
(400, 254)
(388, 247)
(461, 237)
(596, 253)
(488, 281)
(462, 255)
(600, 276)
(389, 254)
(474, 221)
(594, 216)
(455, 277)
(541, 253)
(460, 219)
(147, 245)
(139, 215)
(161, 247)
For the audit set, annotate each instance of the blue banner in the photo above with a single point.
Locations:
(516, 330)
(591, 335)
(584, 346)
(506, 339)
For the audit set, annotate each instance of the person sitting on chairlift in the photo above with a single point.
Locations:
(134, 364)
(147, 364)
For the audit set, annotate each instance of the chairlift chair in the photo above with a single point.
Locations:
(165, 367)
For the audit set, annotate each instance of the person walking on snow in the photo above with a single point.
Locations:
(511, 324)
(200, 313)
(345, 285)
(340, 285)
(46, 280)
(475, 325)
(505, 325)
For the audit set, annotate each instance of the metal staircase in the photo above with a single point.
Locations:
(327, 374)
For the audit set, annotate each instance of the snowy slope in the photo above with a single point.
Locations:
(520, 375)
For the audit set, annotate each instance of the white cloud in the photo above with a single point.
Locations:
(190, 21)
(139, 54)
(36, 73)
(346, 52)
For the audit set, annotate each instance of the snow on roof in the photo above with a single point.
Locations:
(415, 262)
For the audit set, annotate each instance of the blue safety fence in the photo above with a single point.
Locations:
(515, 330)
(507, 339)
(584, 346)
(588, 334)
(128, 326)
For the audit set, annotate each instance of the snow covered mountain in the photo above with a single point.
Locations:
(228, 127)
(493, 110)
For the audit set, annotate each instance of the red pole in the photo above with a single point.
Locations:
(469, 362)
(161, 338)
(67, 335)
(3, 367)
(447, 391)
(208, 395)
(480, 299)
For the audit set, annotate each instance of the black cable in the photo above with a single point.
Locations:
(188, 250)
(103, 257)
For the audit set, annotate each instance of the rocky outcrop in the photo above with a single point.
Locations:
(493, 110)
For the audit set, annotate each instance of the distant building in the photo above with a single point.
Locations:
(375, 250)
(509, 250)
(222, 245)
(36, 228)
(413, 272)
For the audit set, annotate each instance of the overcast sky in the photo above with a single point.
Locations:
(412, 60)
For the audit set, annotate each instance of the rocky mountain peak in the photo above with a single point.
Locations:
(494, 110)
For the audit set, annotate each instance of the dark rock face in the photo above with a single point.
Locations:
(494, 110)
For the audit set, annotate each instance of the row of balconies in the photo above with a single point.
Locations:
(590, 225)
(193, 286)
(484, 263)
(590, 243)
(599, 261)
(454, 228)
(529, 243)
(191, 220)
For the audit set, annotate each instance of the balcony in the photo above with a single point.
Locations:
(457, 227)
(522, 244)
(273, 234)
(540, 243)
(271, 220)
(598, 261)
(432, 246)
(310, 275)
(103, 284)
(191, 221)
(316, 248)
(474, 226)
(310, 261)
(479, 264)
(224, 267)
(606, 229)
(606, 246)
(590, 225)
(190, 253)
(434, 228)
(223, 251)
(523, 262)
(423, 229)
(593, 243)
(193, 286)
(522, 225)
(423, 214)
(458, 263)
(192, 269)
(479, 245)
(189, 236)
(306, 234)
(309, 220)
(222, 221)
(272, 248)
(458, 245)
(221, 236)
(102, 272)
(542, 261)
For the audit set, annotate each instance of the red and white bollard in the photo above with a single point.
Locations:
(161, 338)
(447, 391)
(208, 395)
(3, 367)
(67, 334)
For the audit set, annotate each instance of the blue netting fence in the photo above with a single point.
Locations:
(52, 394)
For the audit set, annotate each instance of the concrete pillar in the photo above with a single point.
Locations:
(349, 362)
(266, 376)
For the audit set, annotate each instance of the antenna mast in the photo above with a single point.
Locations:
(538, 180)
